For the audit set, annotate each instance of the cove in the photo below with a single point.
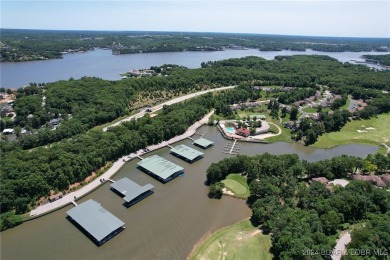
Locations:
(167, 224)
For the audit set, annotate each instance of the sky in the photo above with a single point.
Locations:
(348, 18)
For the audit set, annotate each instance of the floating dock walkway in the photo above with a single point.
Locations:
(232, 148)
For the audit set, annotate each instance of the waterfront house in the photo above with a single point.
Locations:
(245, 132)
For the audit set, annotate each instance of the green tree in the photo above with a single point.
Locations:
(294, 113)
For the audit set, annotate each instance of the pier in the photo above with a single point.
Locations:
(139, 157)
(169, 146)
(232, 148)
(192, 139)
(74, 203)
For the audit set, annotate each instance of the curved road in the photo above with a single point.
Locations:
(170, 102)
(339, 249)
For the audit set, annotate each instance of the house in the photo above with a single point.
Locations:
(8, 131)
(321, 180)
(370, 178)
(55, 121)
(386, 179)
(245, 132)
(298, 103)
(315, 117)
(25, 131)
(310, 99)
(289, 124)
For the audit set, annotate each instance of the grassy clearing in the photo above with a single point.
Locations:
(240, 241)
(310, 110)
(285, 136)
(238, 185)
(349, 133)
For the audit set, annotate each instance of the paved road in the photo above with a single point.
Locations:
(340, 247)
(69, 198)
(170, 102)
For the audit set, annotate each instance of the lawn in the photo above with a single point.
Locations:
(372, 131)
(240, 241)
(285, 136)
(310, 110)
(237, 184)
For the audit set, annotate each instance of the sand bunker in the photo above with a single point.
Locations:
(362, 131)
(370, 128)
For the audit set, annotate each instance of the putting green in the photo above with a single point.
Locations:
(235, 187)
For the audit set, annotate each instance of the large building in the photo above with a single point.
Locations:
(204, 143)
(160, 168)
(130, 191)
(186, 153)
(99, 224)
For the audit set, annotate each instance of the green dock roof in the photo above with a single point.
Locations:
(186, 152)
(159, 166)
(203, 142)
(96, 220)
(130, 189)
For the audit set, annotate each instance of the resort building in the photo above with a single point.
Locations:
(186, 153)
(245, 132)
(99, 224)
(160, 168)
(130, 191)
(203, 143)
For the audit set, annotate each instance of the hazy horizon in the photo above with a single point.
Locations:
(329, 18)
(200, 32)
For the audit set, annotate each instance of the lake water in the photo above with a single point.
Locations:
(167, 224)
(101, 63)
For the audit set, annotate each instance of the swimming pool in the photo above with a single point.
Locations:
(230, 130)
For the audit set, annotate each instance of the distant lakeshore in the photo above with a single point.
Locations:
(101, 63)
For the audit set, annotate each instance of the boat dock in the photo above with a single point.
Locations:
(232, 148)
(74, 203)
(139, 157)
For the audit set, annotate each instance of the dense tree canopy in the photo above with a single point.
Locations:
(304, 219)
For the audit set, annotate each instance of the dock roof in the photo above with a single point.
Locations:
(203, 142)
(186, 152)
(160, 166)
(95, 219)
(130, 189)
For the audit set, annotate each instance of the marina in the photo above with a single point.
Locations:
(171, 206)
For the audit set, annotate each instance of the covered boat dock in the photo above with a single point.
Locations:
(160, 168)
(95, 221)
(203, 143)
(130, 191)
(186, 153)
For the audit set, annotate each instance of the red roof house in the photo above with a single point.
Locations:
(243, 132)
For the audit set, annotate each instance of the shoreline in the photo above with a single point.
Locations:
(71, 197)
(207, 236)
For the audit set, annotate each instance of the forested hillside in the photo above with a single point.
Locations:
(23, 45)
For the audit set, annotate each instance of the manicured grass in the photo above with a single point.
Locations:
(285, 136)
(240, 241)
(349, 134)
(310, 110)
(346, 104)
(237, 184)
